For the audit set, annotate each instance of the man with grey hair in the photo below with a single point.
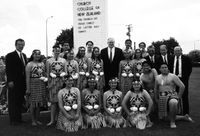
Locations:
(182, 67)
(165, 58)
(111, 57)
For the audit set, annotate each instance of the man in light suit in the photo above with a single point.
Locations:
(111, 57)
(15, 71)
(182, 67)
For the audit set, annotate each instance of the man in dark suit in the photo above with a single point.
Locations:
(152, 58)
(15, 71)
(165, 58)
(182, 67)
(111, 57)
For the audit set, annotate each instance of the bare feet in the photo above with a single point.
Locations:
(34, 124)
(50, 123)
(39, 123)
(149, 124)
(172, 125)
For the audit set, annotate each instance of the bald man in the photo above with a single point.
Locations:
(182, 67)
(111, 57)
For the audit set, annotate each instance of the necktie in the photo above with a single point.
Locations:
(177, 66)
(110, 55)
(151, 58)
(21, 57)
(165, 60)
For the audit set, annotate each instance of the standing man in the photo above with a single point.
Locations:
(165, 58)
(15, 71)
(111, 57)
(182, 67)
(128, 44)
(65, 49)
(152, 58)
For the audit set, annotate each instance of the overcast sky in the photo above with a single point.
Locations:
(152, 20)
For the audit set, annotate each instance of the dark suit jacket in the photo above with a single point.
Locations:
(186, 71)
(155, 63)
(186, 67)
(15, 69)
(170, 62)
(111, 69)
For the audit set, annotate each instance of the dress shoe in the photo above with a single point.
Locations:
(188, 118)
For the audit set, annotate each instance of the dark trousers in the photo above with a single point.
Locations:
(185, 99)
(15, 101)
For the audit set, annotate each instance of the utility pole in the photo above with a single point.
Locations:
(129, 30)
(47, 35)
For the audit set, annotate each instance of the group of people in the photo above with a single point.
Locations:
(111, 87)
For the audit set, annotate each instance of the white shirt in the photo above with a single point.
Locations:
(20, 57)
(152, 58)
(180, 66)
(113, 52)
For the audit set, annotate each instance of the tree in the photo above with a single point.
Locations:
(66, 36)
(170, 43)
(194, 55)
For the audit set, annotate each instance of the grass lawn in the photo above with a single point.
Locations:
(159, 128)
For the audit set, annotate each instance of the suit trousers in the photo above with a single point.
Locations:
(185, 97)
(15, 102)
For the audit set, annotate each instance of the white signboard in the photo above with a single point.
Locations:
(90, 22)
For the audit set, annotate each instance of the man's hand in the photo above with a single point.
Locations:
(11, 84)
(28, 92)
